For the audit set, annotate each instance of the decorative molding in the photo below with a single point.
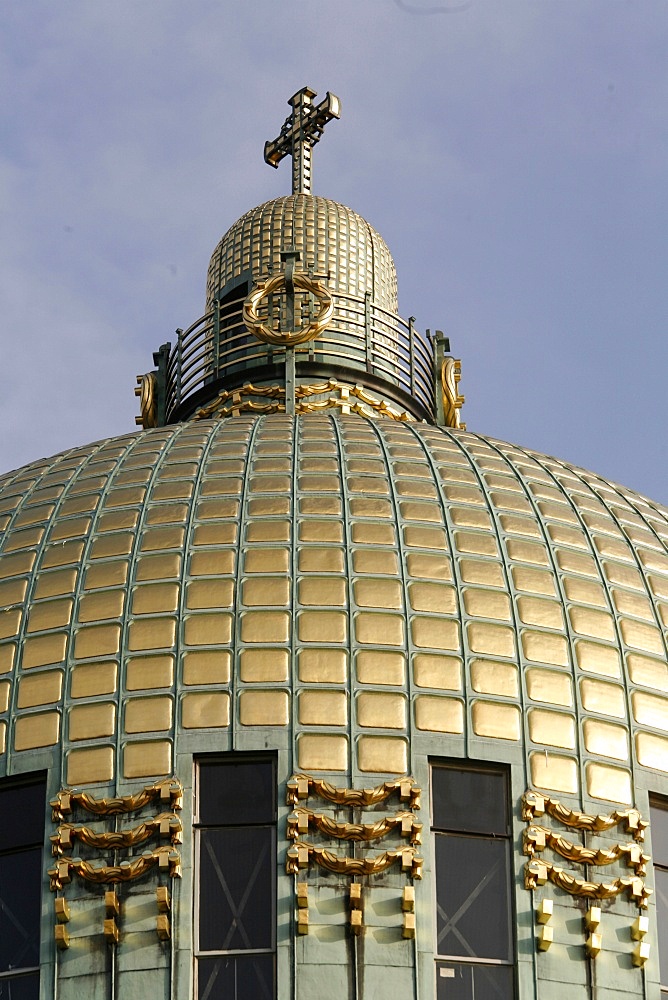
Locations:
(170, 790)
(403, 823)
(345, 398)
(534, 804)
(301, 786)
(127, 871)
(451, 372)
(147, 391)
(301, 854)
(537, 873)
(166, 825)
(538, 838)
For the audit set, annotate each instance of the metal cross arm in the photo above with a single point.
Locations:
(301, 130)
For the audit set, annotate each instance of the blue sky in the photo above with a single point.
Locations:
(513, 153)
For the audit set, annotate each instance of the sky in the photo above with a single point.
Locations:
(513, 154)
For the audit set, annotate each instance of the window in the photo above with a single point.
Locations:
(22, 809)
(472, 847)
(658, 810)
(236, 856)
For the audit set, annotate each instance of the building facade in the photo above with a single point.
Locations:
(308, 692)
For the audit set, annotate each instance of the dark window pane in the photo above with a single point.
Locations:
(473, 982)
(659, 831)
(20, 987)
(234, 793)
(20, 906)
(471, 801)
(26, 805)
(236, 977)
(661, 889)
(236, 888)
(473, 890)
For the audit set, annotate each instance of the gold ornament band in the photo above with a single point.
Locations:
(535, 804)
(539, 872)
(300, 786)
(537, 838)
(170, 791)
(301, 854)
(127, 871)
(403, 823)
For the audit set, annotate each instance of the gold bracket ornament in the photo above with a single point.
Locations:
(301, 855)
(147, 391)
(539, 872)
(170, 790)
(166, 859)
(403, 823)
(166, 825)
(289, 338)
(300, 786)
(127, 871)
(534, 804)
(451, 373)
(537, 838)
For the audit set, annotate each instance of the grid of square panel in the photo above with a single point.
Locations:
(333, 240)
(350, 581)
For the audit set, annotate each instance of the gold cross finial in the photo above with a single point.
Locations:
(301, 130)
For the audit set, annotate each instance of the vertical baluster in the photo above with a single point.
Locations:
(179, 363)
(367, 332)
(411, 353)
(217, 306)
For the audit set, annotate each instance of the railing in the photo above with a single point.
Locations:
(361, 336)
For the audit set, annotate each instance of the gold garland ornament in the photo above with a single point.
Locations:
(535, 804)
(301, 854)
(164, 857)
(537, 873)
(300, 786)
(537, 838)
(169, 791)
(404, 823)
(290, 338)
(166, 825)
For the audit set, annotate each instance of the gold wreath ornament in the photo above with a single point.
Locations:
(291, 337)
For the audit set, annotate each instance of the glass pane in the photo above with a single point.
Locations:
(659, 831)
(470, 801)
(661, 889)
(236, 977)
(20, 987)
(236, 888)
(236, 793)
(473, 897)
(473, 982)
(20, 906)
(27, 806)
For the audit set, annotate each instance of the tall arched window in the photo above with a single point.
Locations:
(22, 808)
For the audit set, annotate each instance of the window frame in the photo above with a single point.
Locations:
(33, 780)
(206, 760)
(659, 803)
(502, 772)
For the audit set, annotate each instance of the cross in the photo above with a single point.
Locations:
(301, 130)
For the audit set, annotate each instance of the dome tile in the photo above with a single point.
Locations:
(437, 714)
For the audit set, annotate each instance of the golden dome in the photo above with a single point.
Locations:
(333, 242)
(378, 590)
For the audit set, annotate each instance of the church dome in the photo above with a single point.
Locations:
(333, 242)
(366, 586)
(236, 645)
